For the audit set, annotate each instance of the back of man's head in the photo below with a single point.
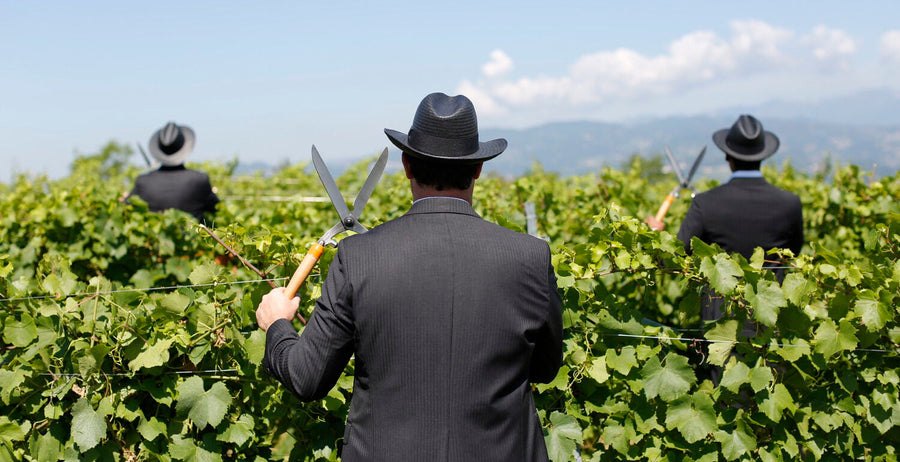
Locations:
(737, 164)
(441, 176)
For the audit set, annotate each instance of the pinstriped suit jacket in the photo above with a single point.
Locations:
(449, 318)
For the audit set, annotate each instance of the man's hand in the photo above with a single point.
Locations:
(655, 224)
(274, 306)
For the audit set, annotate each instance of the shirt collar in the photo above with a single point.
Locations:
(745, 174)
(439, 197)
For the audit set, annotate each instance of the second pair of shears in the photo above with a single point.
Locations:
(683, 182)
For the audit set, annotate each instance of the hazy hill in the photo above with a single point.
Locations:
(863, 129)
(577, 147)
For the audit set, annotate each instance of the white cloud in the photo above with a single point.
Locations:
(485, 105)
(623, 73)
(890, 45)
(831, 46)
(499, 64)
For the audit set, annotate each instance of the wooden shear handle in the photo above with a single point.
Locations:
(299, 277)
(664, 208)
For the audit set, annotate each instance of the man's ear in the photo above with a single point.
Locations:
(406, 168)
(477, 173)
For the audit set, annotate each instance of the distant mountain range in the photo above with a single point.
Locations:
(863, 129)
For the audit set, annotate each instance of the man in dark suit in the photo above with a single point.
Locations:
(172, 186)
(449, 316)
(744, 213)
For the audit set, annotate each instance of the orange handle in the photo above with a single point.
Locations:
(303, 270)
(665, 207)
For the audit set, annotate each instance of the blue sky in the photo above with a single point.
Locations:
(265, 80)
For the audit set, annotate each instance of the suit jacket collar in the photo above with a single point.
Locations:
(442, 205)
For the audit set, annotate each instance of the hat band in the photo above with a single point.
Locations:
(440, 146)
(174, 146)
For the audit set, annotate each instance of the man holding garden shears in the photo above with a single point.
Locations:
(449, 317)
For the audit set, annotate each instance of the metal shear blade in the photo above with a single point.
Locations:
(349, 220)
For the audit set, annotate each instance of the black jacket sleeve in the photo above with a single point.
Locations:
(547, 356)
(310, 364)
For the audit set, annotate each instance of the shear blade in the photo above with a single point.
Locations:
(371, 181)
(337, 200)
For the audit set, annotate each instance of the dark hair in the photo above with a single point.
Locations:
(441, 175)
(744, 164)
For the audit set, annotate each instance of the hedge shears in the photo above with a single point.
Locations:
(683, 182)
(349, 220)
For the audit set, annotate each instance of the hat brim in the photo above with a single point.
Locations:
(770, 145)
(486, 150)
(178, 157)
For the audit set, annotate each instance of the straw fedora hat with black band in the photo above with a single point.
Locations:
(172, 144)
(746, 140)
(445, 128)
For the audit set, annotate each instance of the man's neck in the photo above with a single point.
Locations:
(422, 192)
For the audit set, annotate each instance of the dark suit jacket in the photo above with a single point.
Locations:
(743, 214)
(176, 187)
(449, 318)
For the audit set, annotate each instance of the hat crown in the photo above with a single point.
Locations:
(445, 125)
(746, 130)
(171, 138)
(446, 116)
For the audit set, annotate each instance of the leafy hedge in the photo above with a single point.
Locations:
(128, 335)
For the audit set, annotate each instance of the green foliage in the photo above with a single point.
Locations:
(99, 363)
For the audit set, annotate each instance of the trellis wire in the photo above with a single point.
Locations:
(735, 342)
(130, 374)
(148, 289)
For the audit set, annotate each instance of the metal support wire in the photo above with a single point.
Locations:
(148, 289)
(735, 342)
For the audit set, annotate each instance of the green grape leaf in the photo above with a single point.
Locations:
(598, 371)
(766, 301)
(175, 302)
(20, 333)
(722, 272)
(734, 376)
(152, 356)
(46, 447)
(797, 288)
(238, 432)
(773, 403)
(760, 377)
(205, 273)
(669, 381)
(621, 362)
(873, 313)
(737, 443)
(150, 429)
(830, 339)
(722, 337)
(88, 426)
(10, 431)
(563, 437)
(693, 416)
(204, 407)
(256, 346)
(182, 448)
(9, 381)
(560, 382)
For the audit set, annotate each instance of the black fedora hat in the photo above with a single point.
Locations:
(172, 144)
(746, 140)
(445, 128)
